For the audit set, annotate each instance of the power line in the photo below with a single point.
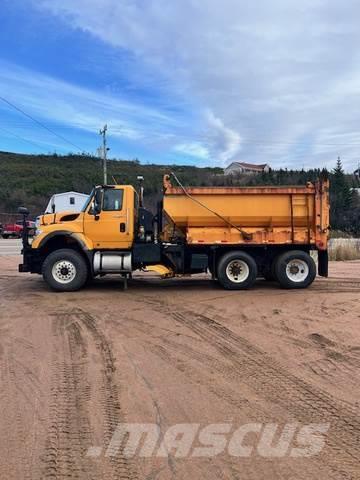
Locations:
(22, 138)
(40, 124)
(201, 137)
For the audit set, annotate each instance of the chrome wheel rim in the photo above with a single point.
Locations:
(64, 271)
(297, 270)
(237, 271)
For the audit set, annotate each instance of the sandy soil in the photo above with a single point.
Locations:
(74, 366)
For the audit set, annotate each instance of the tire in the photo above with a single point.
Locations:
(295, 269)
(229, 265)
(65, 270)
(5, 236)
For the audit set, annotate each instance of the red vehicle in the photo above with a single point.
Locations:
(14, 230)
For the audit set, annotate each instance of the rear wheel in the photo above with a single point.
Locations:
(5, 236)
(236, 271)
(295, 269)
(65, 270)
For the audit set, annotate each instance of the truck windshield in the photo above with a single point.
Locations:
(88, 200)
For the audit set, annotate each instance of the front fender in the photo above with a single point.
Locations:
(41, 240)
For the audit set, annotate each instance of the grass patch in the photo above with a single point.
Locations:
(341, 249)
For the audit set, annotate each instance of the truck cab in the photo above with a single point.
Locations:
(69, 247)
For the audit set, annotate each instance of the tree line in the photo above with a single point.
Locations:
(32, 179)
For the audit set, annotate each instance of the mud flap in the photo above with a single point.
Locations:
(323, 261)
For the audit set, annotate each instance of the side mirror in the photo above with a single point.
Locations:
(23, 211)
(97, 201)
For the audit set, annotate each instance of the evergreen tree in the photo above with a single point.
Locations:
(340, 197)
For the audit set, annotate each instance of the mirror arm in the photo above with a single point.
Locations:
(25, 234)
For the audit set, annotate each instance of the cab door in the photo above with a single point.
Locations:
(112, 227)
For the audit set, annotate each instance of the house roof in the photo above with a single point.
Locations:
(70, 193)
(249, 165)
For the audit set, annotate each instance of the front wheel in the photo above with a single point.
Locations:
(236, 271)
(295, 269)
(65, 270)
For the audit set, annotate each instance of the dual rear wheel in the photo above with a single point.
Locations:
(236, 270)
(293, 269)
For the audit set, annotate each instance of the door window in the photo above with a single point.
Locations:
(112, 200)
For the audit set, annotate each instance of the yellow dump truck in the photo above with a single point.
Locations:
(235, 233)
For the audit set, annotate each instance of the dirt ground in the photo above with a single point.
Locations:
(74, 366)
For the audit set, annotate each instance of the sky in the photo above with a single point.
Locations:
(190, 82)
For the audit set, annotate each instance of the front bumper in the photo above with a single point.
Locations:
(31, 260)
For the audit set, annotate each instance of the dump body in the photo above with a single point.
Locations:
(250, 215)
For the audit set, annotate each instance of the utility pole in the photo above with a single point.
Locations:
(104, 152)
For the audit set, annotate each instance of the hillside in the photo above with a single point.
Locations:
(32, 179)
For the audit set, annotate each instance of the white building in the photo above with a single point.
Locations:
(67, 201)
(236, 168)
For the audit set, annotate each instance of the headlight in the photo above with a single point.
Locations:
(38, 232)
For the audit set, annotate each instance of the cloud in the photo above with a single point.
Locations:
(271, 80)
(83, 109)
(194, 149)
(226, 140)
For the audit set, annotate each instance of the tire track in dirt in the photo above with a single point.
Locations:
(74, 393)
(231, 394)
(12, 428)
(269, 379)
(164, 345)
(121, 467)
(336, 357)
(69, 431)
(336, 285)
(19, 394)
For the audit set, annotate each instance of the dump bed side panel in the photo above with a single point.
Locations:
(259, 215)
